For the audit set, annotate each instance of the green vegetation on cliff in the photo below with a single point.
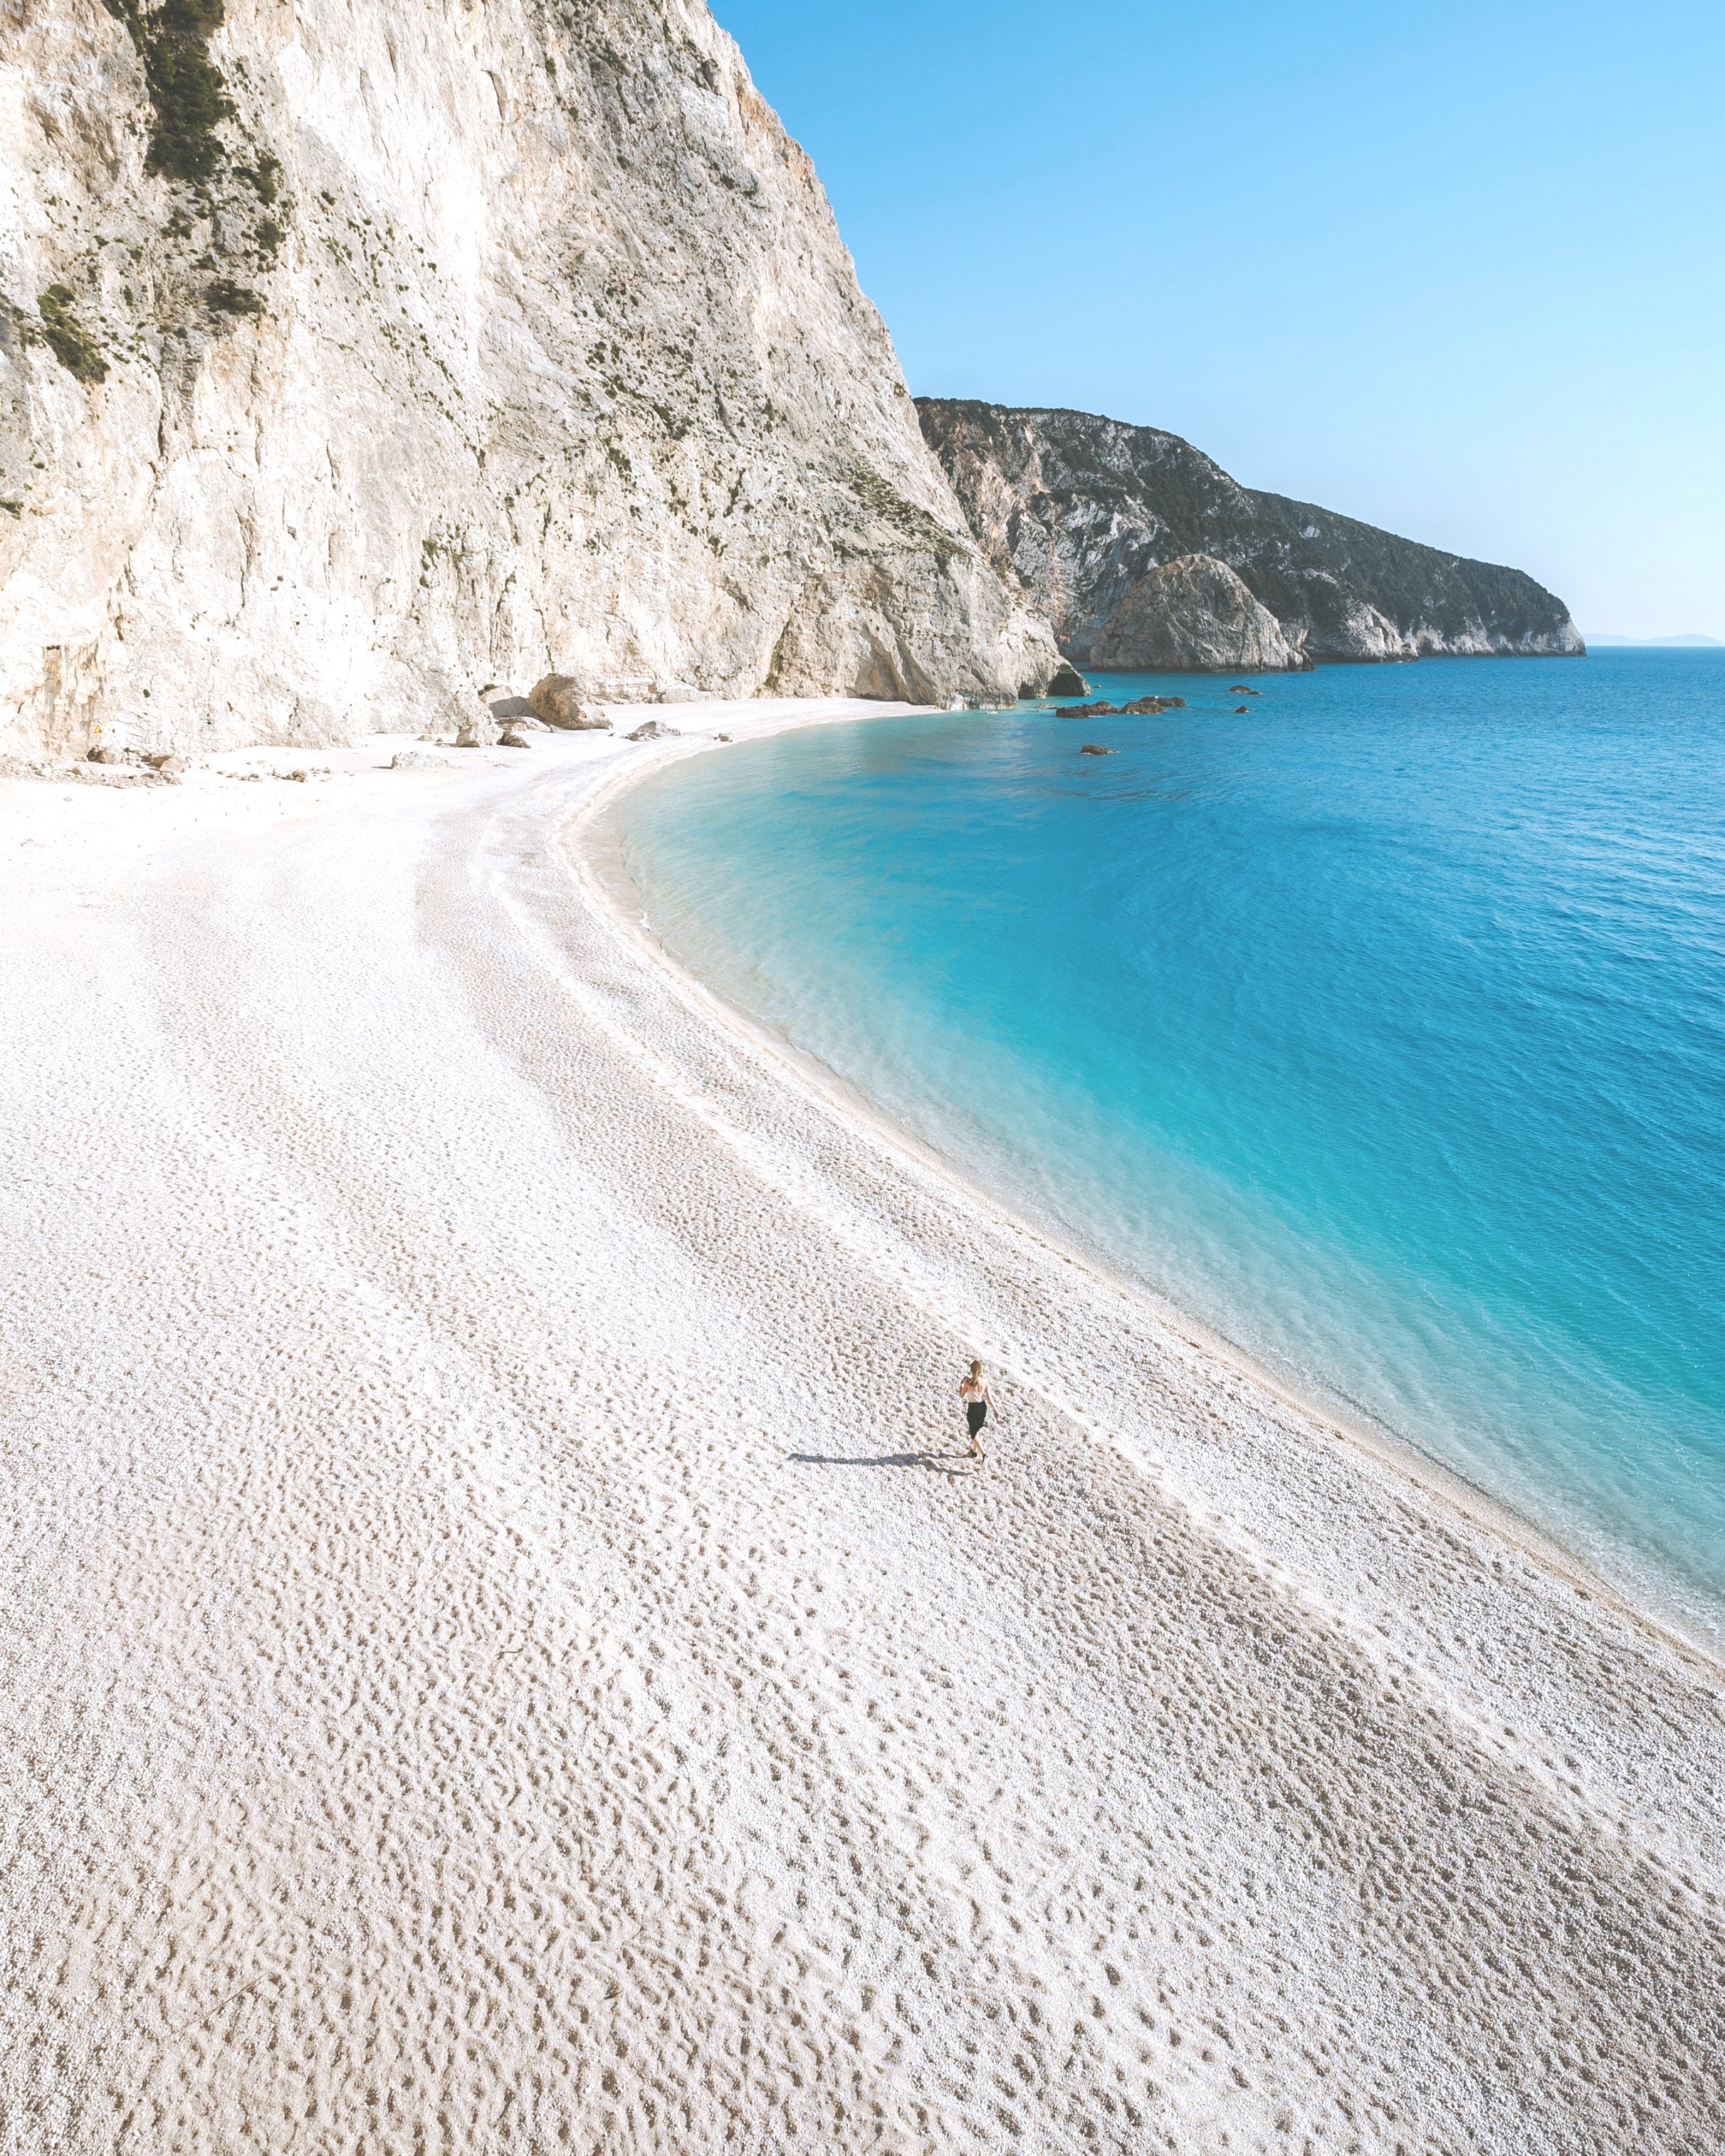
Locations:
(71, 344)
(188, 97)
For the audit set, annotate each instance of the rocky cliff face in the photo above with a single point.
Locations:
(1192, 615)
(1091, 516)
(354, 360)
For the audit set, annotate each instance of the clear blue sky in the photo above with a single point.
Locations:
(1459, 269)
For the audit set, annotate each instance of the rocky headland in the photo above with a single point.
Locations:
(356, 365)
(1144, 554)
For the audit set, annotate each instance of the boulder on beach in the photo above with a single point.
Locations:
(117, 774)
(511, 739)
(654, 730)
(417, 759)
(558, 698)
(478, 733)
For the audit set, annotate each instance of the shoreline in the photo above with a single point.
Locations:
(596, 854)
(503, 1639)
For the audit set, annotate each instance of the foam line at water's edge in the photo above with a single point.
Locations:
(595, 857)
(571, 833)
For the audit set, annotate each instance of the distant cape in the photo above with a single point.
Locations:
(1144, 553)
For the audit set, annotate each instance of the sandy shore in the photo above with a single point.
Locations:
(503, 1651)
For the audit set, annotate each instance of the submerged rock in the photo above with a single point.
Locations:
(1148, 707)
(1091, 748)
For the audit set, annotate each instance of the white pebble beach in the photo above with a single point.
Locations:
(503, 1650)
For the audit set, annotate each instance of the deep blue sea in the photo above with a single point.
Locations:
(1381, 1025)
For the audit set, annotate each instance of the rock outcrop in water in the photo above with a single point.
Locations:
(1143, 552)
(357, 361)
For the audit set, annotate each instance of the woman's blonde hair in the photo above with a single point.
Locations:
(976, 1369)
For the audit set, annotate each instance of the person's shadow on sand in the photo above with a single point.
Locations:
(941, 1463)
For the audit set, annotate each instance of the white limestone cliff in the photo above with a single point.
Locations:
(470, 343)
(1192, 615)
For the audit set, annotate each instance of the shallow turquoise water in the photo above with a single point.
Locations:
(1382, 1027)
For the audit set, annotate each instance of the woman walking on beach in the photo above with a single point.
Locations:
(973, 1391)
